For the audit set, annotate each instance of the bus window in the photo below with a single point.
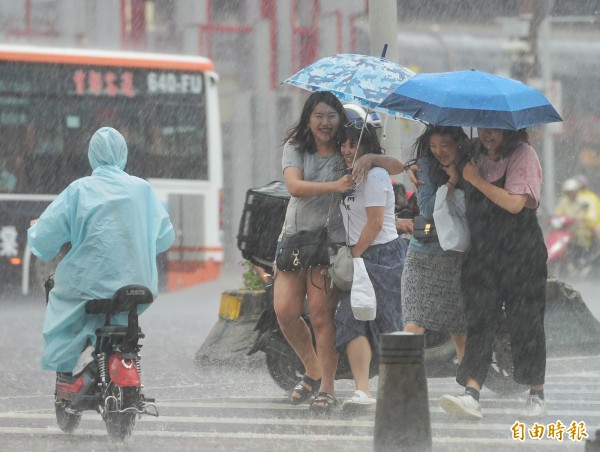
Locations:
(177, 142)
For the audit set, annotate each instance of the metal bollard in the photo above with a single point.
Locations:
(402, 412)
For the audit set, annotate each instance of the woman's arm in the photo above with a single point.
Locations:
(499, 196)
(363, 164)
(300, 188)
(369, 233)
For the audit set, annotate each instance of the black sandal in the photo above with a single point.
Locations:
(328, 402)
(304, 392)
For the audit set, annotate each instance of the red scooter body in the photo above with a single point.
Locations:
(559, 237)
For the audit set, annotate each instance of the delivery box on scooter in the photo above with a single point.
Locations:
(262, 221)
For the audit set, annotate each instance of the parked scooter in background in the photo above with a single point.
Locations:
(110, 384)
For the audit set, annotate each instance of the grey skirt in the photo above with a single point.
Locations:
(431, 294)
(384, 264)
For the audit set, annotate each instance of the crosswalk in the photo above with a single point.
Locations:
(250, 422)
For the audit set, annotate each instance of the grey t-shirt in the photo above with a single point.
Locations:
(310, 213)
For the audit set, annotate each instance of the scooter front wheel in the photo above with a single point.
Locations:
(283, 364)
(67, 418)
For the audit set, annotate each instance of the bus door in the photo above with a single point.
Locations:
(196, 255)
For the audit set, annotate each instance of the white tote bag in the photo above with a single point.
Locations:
(362, 294)
(450, 217)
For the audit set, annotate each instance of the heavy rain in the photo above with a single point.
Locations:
(202, 93)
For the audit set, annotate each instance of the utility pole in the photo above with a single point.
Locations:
(383, 25)
(533, 63)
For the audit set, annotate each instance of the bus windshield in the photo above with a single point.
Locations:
(45, 127)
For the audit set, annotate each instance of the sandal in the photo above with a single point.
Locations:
(324, 403)
(304, 392)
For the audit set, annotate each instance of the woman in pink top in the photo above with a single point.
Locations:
(505, 264)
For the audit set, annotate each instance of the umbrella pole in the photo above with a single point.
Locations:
(362, 129)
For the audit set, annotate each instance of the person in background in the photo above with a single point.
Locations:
(593, 200)
(368, 215)
(579, 202)
(504, 265)
(116, 226)
(431, 291)
(405, 209)
(313, 170)
(8, 180)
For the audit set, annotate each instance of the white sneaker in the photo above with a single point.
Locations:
(463, 406)
(534, 407)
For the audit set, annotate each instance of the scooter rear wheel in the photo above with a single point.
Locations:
(67, 418)
(120, 421)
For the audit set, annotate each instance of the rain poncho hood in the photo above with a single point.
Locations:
(116, 226)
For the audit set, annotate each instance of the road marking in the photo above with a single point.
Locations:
(318, 422)
(270, 436)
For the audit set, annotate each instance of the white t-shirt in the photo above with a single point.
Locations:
(375, 191)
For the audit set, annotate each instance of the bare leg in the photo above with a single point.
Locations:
(322, 303)
(472, 383)
(412, 328)
(459, 342)
(359, 356)
(290, 290)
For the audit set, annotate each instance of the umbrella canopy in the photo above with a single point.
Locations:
(362, 79)
(470, 99)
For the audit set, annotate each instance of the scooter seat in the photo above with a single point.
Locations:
(116, 331)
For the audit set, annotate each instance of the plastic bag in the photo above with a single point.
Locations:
(362, 296)
(450, 216)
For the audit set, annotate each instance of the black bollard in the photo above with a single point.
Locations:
(402, 412)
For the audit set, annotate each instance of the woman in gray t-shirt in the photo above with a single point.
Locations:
(313, 172)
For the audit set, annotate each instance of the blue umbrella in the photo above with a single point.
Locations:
(470, 99)
(361, 79)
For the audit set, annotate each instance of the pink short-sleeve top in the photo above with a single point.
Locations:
(523, 173)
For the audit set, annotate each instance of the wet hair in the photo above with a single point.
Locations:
(511, 139)
(421, 149)
(301, 135)
(369, 143)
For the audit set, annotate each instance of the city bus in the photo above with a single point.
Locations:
(166, 106)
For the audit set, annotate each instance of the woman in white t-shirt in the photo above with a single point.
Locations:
(369, 220)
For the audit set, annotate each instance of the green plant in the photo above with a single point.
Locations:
(251, 280)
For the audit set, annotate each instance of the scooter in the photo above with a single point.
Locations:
(286, 369)
(567, 260)
(111, 383)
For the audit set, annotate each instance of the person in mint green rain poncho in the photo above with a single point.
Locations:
(116, 226)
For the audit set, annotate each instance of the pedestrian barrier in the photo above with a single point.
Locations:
(402, 412)
(233, 335)
(571, 329)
